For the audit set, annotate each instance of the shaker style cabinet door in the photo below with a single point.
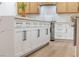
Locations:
(67, 7)
(19, 43)
(41, 38)
(34, 7)
(19, 9)
(27, 41)
(60, 31)
(35, 34)
(30, 7)
(61, 7)
(72, 7)
(27, 9)
(47, 34)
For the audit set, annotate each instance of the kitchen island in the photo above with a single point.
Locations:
(21, 36)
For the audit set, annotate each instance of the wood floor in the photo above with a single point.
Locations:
(57, 48)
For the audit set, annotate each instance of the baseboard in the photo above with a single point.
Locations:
(65, 39)
(52, 40)
(31, 52)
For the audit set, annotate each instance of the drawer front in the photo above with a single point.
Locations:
(60, 36)
(60, 27)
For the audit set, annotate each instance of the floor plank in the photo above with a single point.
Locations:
(57, 48)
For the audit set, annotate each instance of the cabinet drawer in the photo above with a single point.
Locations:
(60, 36)
(59, 27)
(34, 23)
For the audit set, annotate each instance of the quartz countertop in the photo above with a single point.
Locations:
(31, 19)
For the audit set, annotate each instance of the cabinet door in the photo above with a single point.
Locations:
(19, 10)
(27, 9)
(67, 7)
(42, 36)
(19, 43)
(61, 7)
(27, 42)
(72, 7)
(60, 31)
(34, 7)
(34, 38)
(47, 34)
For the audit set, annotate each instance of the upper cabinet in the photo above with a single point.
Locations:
(67, 7)
(72, 7)
(61, 7)
(23, 8)
(34, 7)
(30, 7)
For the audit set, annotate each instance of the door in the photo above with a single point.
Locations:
(19, 43)
(41, 36)
(27, 44)
(61, 7)
(67, 7)
(64, 30)
(72, 7)
(47, 34)
(19, 9)
(34, 38)
(34, 7)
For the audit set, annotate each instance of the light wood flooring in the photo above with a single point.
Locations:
(57, 48)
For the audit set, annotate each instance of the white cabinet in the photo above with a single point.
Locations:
(64, 30)
(34, 38)
(47, 34)
(43, 35)
(19, 43)
(19, 37)
(60, 30)
(36, 34)
(27, 43)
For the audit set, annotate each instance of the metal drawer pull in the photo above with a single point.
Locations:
(46, 31)
(28, 23)
(24, 35)
(18, 23)
(38, 33)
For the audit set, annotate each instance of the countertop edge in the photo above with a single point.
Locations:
(30, 19)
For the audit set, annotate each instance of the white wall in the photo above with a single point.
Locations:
(8, 9)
